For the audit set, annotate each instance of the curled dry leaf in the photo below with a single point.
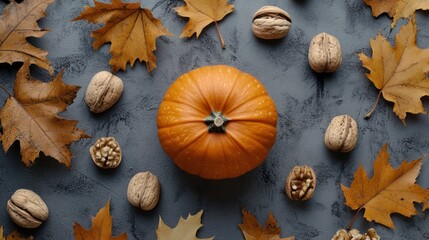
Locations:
(396, 9)
(13, 236)
(17, 23)
(186, 229)
(131, 30)
(252, 230)
(30, 117)
(388, 191)
(399, 72)
(201, 13)
(101, 227)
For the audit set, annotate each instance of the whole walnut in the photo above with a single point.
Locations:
(324, 54)
(143, 191)
(27, 209)
(341, 134)
(103, 91)
(271, 22)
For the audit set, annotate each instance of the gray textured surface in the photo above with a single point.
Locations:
(306, 103)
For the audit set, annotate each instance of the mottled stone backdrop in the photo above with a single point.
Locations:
(305, 101)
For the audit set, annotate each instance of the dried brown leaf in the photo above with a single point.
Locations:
(17, 23)
(252, 230)
(388, 191)
(13, 236)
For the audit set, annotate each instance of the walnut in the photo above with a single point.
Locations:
(106, 153)
(27, 209)
(103, 91)
(271, 22)
(354, 234)
(341, 134)
(143, 191)
(324, 54)
(300, 183)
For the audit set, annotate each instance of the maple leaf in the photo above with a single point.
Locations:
(30, 117)
(399, 72)
(131, 30)
(201, 13)
(396, 9)
(186, 229)
(13, 236)
(388, 191)
(101, 227)
(426, 205)
(252, 230)
(17, 23)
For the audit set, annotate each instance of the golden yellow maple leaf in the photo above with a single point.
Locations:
(400, 71)
(186, 229)
(13, 236)
(252, 230)
(30, 117)
(388, 191)
(101, 228)
(131, 30)
(17, 23)
(397, 9)
(201, 13)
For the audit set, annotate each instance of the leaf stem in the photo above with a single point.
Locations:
(1, 86)
(368, 115)
(349, 226)
(220, 35)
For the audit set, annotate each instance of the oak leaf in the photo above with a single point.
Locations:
(201, 13)
(17, 23)
(252, 230)
(186, 229)
(13, 236)
(101, 227)
(396, 9)
(30, 117)
(399, 72)
(388, 191)
(131, 30)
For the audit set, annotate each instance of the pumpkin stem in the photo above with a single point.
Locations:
(216, 122)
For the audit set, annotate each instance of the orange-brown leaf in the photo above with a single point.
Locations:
(388, 191)
(101, 227)
(17, 23)
(252, 230)
(396, 9)
(400, 72)
(131, 30)
(201, 13)
(13, 236)
(30, 117)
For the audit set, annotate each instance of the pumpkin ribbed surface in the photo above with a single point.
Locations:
(217, 122)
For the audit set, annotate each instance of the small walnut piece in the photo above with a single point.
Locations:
(27, 209)
(143, 191)
(271, 22)
(300, 183)
(106, 153)
(354, 234)
(341, 134)
(103, 91)
(324, 54)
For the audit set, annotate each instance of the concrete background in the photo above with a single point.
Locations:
(305, 101)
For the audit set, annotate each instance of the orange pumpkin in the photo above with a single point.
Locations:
(217, 122)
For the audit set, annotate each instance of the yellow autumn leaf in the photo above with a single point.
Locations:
(252, 230)
(201, 13)
(400, 72)
(388, 191)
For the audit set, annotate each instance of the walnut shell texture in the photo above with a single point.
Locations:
(341, 134)
(103, 91)
(271, 22)
(324, 54)
(27, 209)
(143, 191)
